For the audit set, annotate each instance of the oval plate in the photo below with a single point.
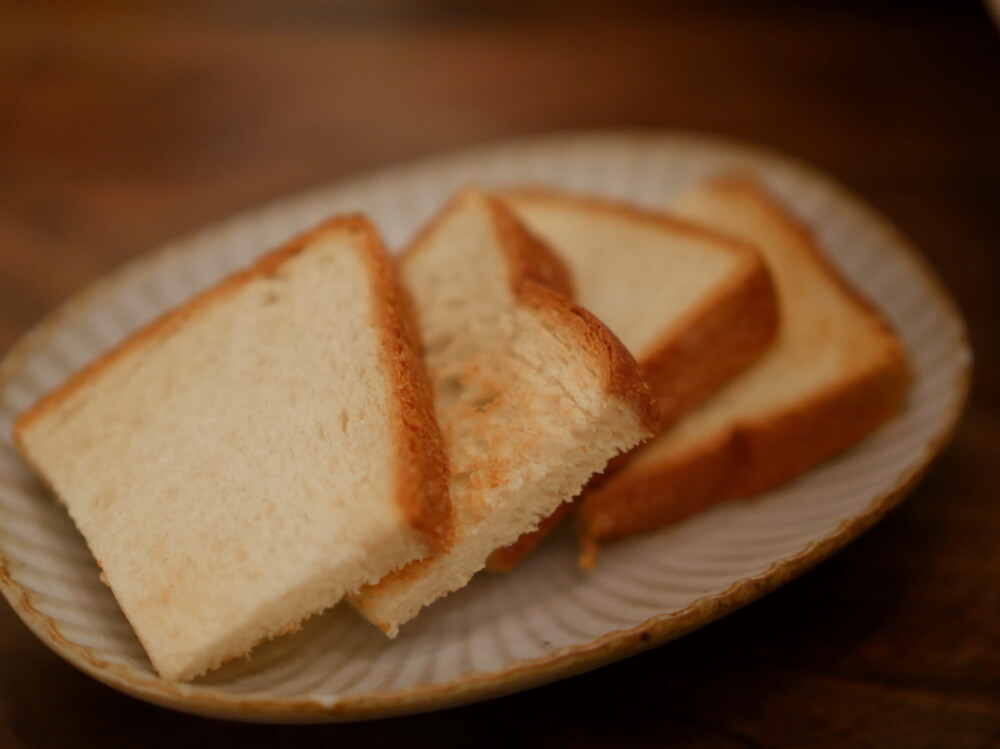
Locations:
(547, 620)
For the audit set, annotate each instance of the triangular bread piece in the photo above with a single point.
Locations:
(250, 457)
(695, 307)
(834, 373)
(532, 393)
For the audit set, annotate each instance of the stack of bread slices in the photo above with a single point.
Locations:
(333, 423)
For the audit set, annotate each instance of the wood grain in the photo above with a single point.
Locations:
(123, 125)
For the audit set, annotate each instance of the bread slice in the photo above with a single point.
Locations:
(255, 454)
(532, 393)
(834, 374)
(695, 307)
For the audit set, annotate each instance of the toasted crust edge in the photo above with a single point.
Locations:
(421, 466)
(531, 267)
(746, 460)
(714, 343)
(719, 337)
(623, 377)
(530, 259)
(751, 457)
(541, 280)
(711, 344)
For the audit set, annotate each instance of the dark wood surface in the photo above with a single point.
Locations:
(124, 124)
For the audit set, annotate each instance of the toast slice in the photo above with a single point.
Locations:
(834, 374)
(532, 393)
(250, 457)
(695, 307)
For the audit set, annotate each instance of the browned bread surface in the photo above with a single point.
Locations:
(699, 345)
(533, 394)
(691, 348)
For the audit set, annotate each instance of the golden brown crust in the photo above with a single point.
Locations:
(738, 182)
(714, 341)
(421, 465)
(754, 456)
(746, 460)
(529, 259)
(623, 378)
(850, 414)
(423, 472)
(712, 344)
(540, 280)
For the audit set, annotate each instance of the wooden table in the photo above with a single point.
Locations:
(123, 126)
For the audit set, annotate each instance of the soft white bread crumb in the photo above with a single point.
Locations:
(242, 463)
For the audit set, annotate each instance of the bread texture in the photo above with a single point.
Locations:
(249, 458)
(834, 374)
(694, 306)
(532, 393)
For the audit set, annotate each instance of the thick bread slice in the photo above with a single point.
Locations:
(532, 393)
(833, 375)
(252, 456)
(695, 307)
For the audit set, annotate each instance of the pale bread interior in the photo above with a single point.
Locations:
(641, 278)
(238, 474)
(826, 336)
(524, 407)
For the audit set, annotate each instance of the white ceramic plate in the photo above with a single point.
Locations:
(547, 620)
